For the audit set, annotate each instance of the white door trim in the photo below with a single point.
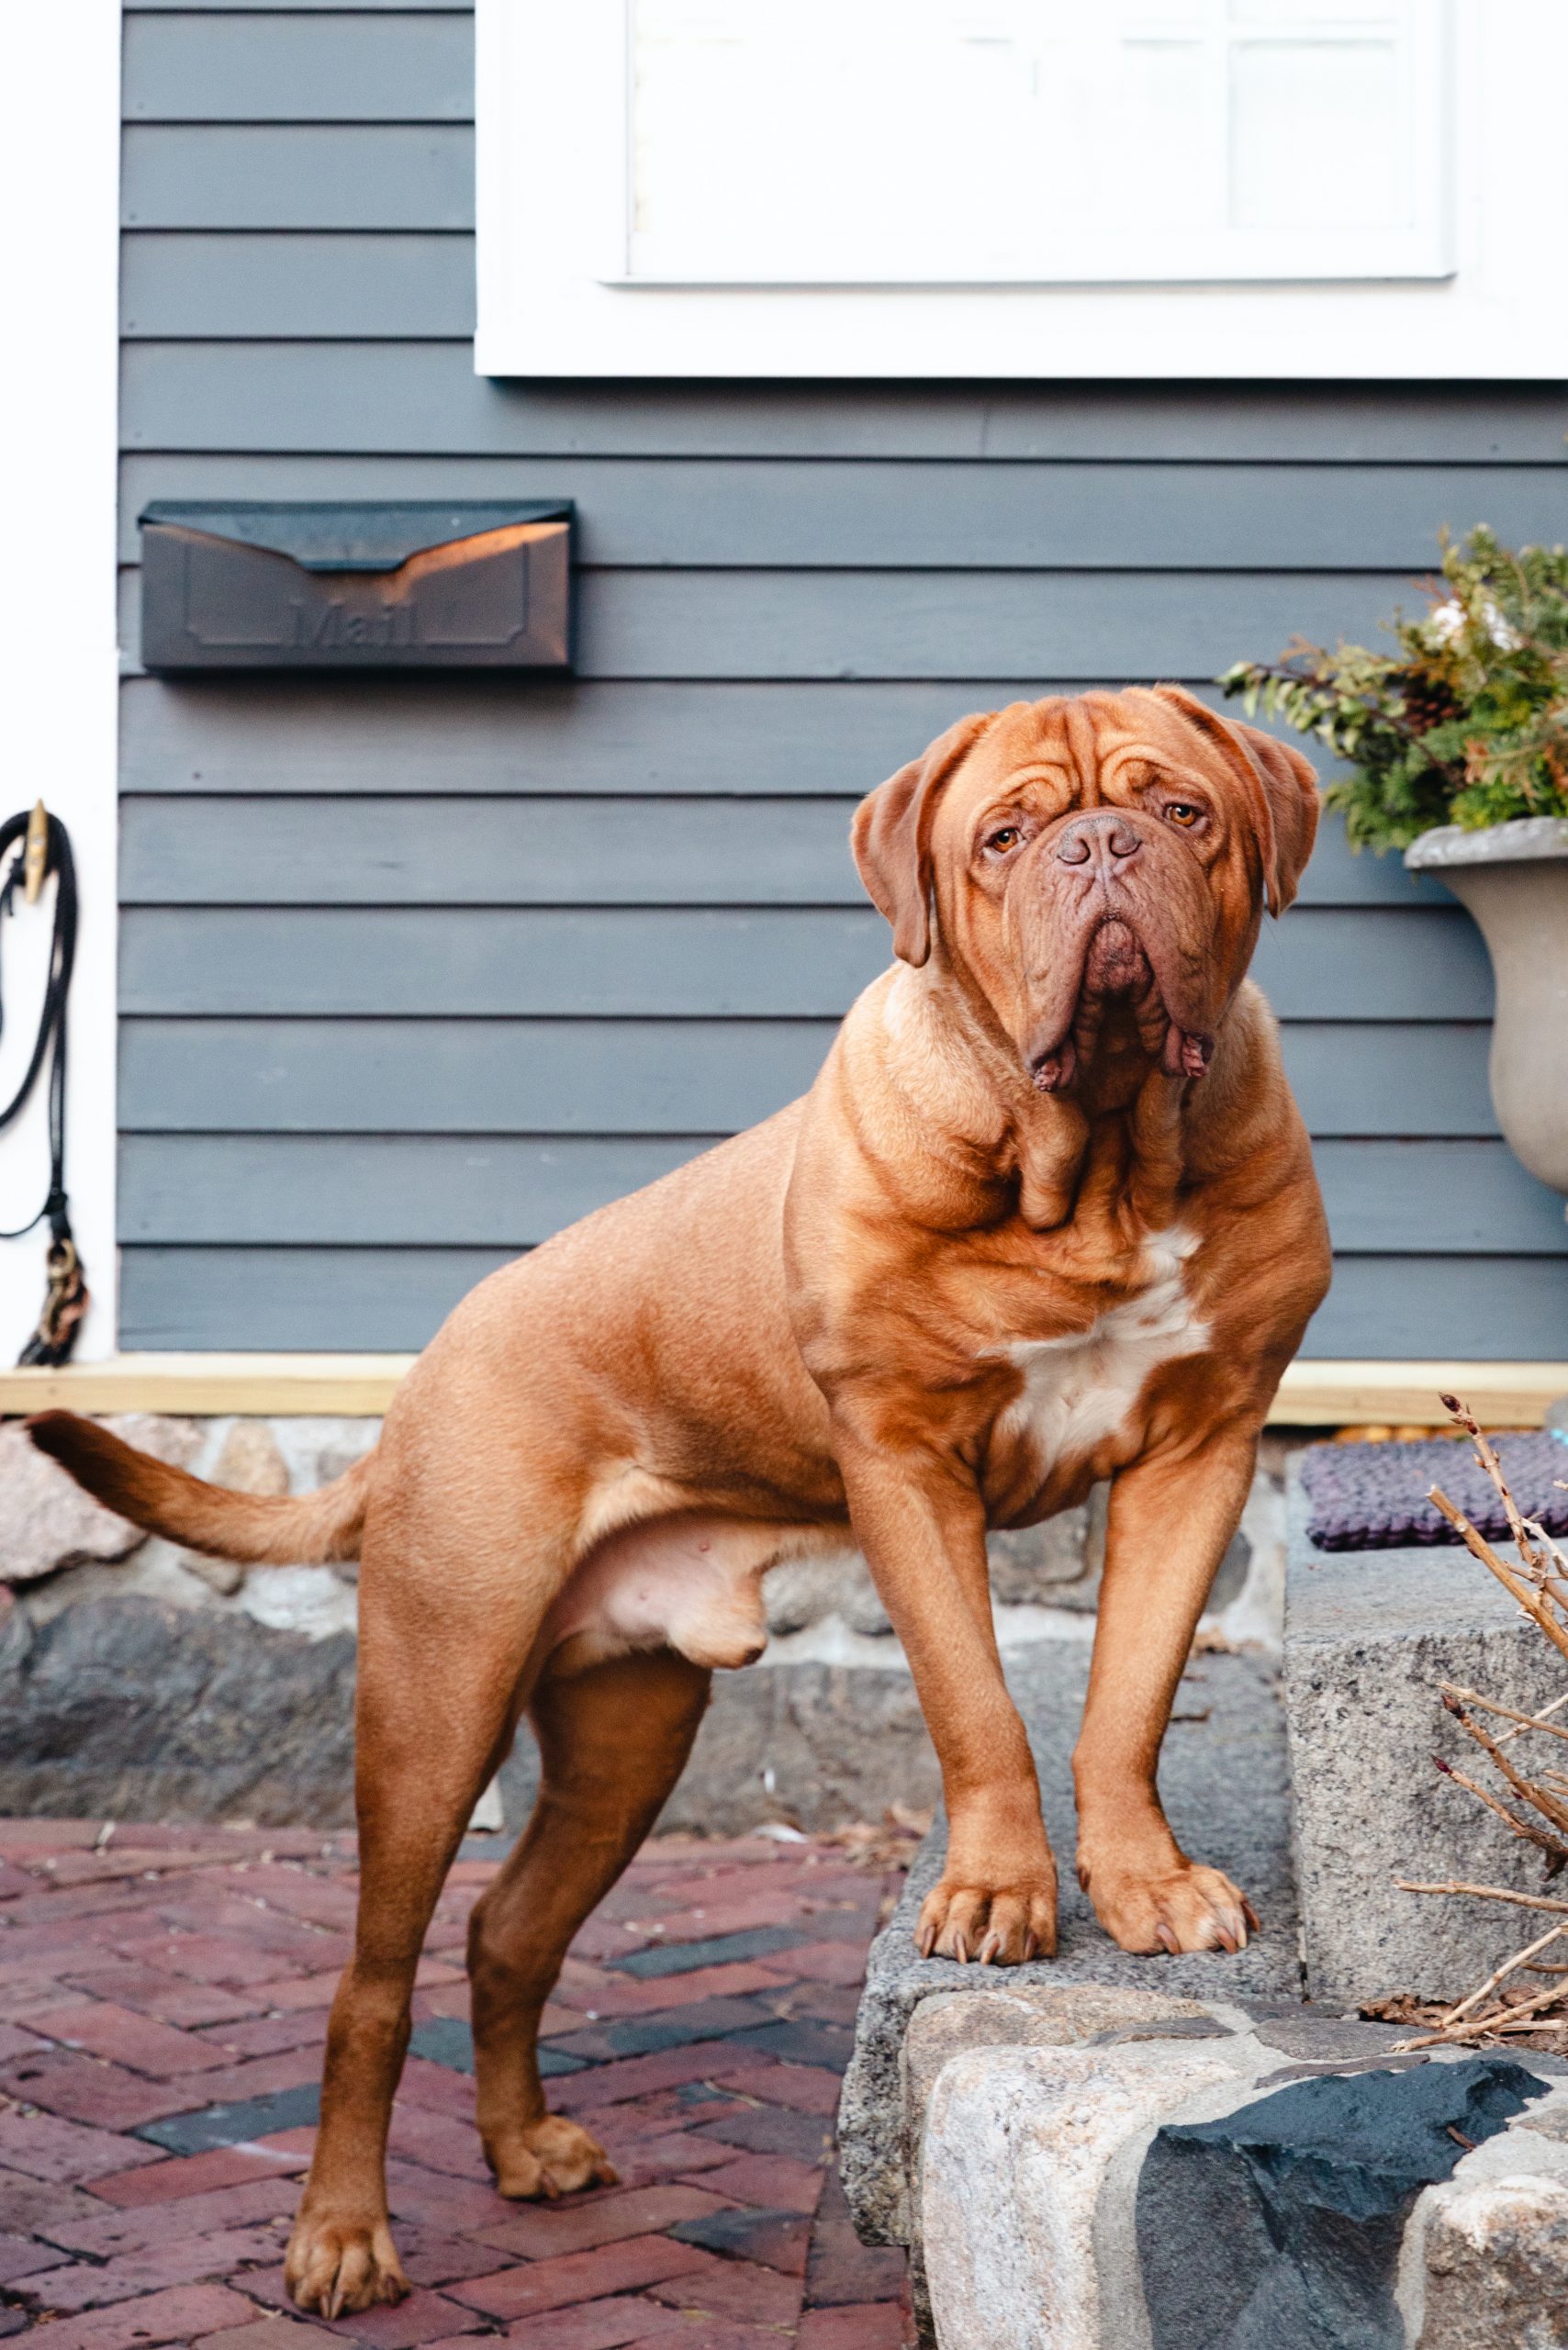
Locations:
(58, 661)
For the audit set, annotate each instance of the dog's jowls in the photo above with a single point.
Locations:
(1047, 1216)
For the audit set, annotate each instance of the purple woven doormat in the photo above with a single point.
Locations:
(1373, 1497)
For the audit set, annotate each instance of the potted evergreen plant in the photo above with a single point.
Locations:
(1456, 753)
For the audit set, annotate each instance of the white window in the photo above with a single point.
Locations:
(975, 141)
(1017, 187)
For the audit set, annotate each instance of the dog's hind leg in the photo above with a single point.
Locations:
(613, 1741)
(447, 1621)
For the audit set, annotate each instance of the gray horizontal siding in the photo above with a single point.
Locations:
(682, 514)
(425, 399)
(966, 626)
(1497, 1308)
(212, 288)
(592, 1077)
(599, 850)
(490, 1190)
(393, 1191)
(289, 759)
(340, 67)
(416, 970)
(317, 176)
(701, 962)
(670, 1077)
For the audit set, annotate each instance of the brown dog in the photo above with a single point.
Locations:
(1047, 1216)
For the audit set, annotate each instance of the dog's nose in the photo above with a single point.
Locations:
(1102, 839)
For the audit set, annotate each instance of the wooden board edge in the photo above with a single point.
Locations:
(212, 1386)
(1312, 1394)
(1406, 1394)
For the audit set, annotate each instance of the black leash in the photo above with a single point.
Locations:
(65, 1302)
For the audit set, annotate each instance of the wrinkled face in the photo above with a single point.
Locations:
(1096, 869)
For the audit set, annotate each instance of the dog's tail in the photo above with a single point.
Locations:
(308, 1530)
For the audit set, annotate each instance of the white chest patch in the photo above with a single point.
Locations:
(1079, 1390)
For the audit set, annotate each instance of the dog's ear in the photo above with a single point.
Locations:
(1280, 783)
(891, 836)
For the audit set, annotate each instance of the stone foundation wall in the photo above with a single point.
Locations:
(140, 1681)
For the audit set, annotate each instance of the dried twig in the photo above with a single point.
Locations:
(1479, 2024)
(1531, 1790)
(1485, 1892)
(1479, 1548)
(1510, 1713)
(1500, 1974)
(1526, 1830)
(1538, 1587)
(1465, 1418)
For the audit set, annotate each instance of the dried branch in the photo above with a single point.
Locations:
(1485, 1892)
(1479, 1548)
(1500, 1974)
(1538, 1587)
(1510, 1713)
(1464, 1417)
(1532, 1792)
(1479, 2024)
(1526, 1830)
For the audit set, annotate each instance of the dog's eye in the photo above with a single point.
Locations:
(1182, 813)
(1005, 836)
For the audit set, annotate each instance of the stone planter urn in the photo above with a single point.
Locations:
(1513, 879)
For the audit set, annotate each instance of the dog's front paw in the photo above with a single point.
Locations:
(1179, 1906)
(550, 2158)
(999, 1919)
(338, 2266)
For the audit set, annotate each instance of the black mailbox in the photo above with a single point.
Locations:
(420, 586)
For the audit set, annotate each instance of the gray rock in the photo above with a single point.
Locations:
(1549, 2120)
(1369, 1635)
(47, 1522)
(1224, 1788)
(1230, 1576)
(1177, 2026)
(1308, 2191)
(1055, 1564)
(812, 1744)
(133, 1709)
(1016, 2156)
(1496, 2267)
(1324, 2038)
(1009, 2015)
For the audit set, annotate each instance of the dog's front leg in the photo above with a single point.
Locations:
(1170, 1519)
(922, 1527)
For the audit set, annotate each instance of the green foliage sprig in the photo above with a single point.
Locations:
(1466, 724)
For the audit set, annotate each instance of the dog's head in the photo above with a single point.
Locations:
(1095, 869)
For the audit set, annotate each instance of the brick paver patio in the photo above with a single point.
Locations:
(164, 1994)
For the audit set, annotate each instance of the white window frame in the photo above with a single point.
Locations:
(59, 135)
(1465, 291)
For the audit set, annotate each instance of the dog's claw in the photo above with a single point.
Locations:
(336, 2271)
(546, 2159)
(997, 1925)
(1182, 1906)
